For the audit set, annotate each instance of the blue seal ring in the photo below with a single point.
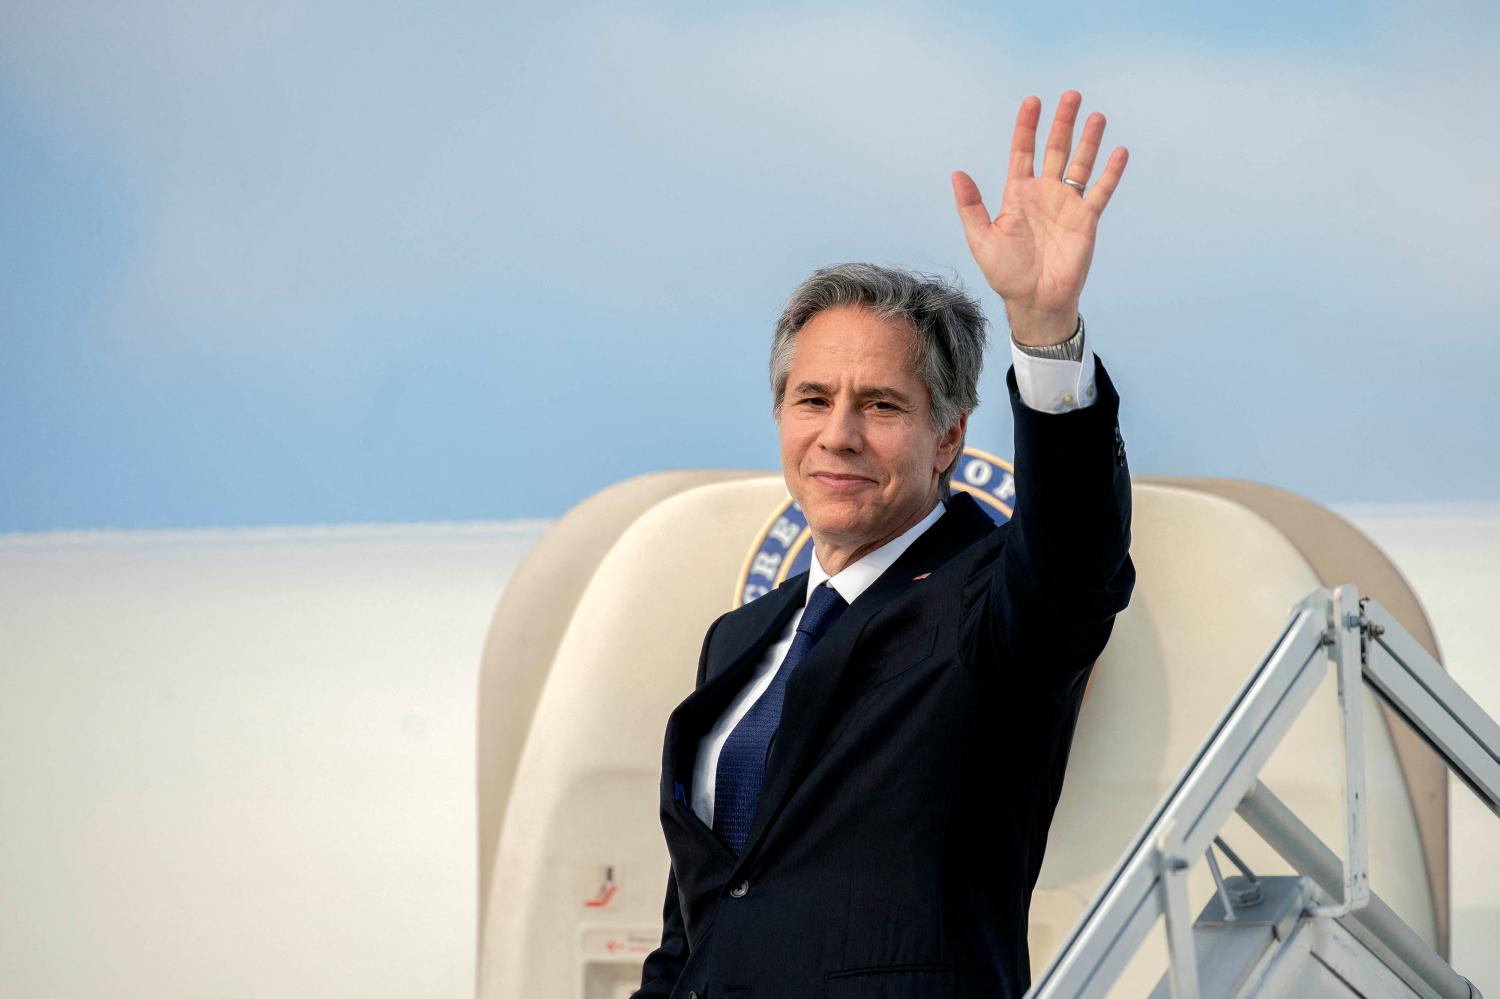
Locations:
(783, 547)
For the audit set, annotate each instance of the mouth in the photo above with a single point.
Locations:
(841, 481)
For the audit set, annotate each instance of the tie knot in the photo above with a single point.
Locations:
(824, 605)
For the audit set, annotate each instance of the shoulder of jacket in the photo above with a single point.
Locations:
(754, 615)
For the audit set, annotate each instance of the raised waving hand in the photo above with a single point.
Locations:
(1036, 252)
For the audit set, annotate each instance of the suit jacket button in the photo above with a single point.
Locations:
(739, 890)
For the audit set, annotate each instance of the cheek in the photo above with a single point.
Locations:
(917, 460)
(793, 446)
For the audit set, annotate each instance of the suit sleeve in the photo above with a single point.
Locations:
(663, 966)
(1064, 571)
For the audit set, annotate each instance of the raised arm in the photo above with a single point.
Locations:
(1065, 569)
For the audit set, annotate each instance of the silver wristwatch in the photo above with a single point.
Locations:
(1070, 349)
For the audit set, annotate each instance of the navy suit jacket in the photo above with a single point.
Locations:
(921, 750)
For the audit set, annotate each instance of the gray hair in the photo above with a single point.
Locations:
(948, 326)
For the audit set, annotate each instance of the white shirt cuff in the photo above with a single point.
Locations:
(1051, 385)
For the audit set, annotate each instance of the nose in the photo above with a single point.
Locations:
(842, 430)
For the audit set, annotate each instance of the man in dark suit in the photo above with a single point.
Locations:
(856, 796)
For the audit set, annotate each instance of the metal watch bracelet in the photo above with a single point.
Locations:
(1070, 349)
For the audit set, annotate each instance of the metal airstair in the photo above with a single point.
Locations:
(1321, 931)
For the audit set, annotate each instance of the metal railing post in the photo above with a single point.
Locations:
(1347, 638)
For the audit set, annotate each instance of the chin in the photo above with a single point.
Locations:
(834, 524)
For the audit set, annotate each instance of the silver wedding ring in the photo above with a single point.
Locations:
(1075, 185)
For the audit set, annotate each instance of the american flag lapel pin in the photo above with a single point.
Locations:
(918, 579)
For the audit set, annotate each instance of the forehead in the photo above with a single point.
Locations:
(852, 340)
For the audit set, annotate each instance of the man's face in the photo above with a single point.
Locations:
(857, 446)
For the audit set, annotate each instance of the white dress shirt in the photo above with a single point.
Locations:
(1045, 384)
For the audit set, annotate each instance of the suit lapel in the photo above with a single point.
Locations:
(810, 688)
(764, 621)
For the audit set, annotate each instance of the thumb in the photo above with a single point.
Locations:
(971, 210)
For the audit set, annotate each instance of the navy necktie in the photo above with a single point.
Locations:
(742, 761)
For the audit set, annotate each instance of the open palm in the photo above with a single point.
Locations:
(1036, 252)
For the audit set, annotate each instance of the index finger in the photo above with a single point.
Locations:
(1023, 140)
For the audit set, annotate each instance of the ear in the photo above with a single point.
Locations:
(949, 441)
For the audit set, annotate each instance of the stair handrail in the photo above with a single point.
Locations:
(1364, 644)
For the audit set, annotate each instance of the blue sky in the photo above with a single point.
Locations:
(291, 263)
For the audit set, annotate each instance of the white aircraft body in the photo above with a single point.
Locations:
(242, 762)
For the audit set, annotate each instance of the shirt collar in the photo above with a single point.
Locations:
(854, 579)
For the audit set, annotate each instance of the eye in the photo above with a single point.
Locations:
(812, 400)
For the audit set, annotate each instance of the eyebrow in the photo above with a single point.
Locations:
(878, 392)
